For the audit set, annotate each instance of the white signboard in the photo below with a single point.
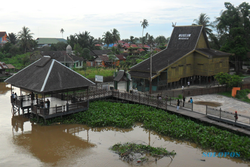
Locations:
(98, 78)
(184, 36)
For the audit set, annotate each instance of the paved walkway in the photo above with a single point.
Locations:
(227, 104)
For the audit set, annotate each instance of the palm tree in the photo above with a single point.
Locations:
(131, 39)
(204, 20)
(25, 37)
(62, 31)
(12, 38)
(115, 35)
(144, 24)
(107, 38)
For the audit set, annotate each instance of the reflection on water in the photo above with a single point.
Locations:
(50, 144)
(27, 144)
(4, 88)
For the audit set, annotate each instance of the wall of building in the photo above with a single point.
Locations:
(201, 42)
(181, 69)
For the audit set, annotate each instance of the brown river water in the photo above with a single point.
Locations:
(25, 144)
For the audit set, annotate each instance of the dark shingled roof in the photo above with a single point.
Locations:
(136, 74)
(183, 41)
(119, 76)
(99, 52)
(47, 75)
(213, 53)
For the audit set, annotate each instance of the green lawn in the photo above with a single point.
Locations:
(92, 71)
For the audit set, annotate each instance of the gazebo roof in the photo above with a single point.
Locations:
(48, 75)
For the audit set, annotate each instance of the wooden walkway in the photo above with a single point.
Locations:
(187, 111)
(219, 118)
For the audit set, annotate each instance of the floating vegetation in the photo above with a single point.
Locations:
(124, 115)
(139, 152)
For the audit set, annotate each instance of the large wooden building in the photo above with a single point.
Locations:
(188, 58)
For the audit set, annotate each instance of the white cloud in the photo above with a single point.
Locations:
(46, 18)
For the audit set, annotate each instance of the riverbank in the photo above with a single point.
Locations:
(123, 115)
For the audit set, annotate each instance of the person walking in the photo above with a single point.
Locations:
(178, 104)
(236, 116)
(183, 100)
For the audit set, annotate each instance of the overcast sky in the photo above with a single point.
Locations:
(45, 18)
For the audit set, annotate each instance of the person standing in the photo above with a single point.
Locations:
(190, 100)
(183, 99)
(188, 83)
(178, 104)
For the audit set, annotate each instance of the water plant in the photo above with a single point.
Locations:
(127, 151)
(124, 115)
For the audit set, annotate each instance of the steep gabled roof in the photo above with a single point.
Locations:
(183, 41)
(48, 75)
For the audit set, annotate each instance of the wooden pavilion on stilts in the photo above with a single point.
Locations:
(53, 90)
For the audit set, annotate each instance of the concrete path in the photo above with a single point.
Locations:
(227, 104)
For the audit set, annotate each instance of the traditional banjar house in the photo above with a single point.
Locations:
(52, 89)
(188, 58)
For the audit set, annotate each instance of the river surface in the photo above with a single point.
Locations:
(25, 144)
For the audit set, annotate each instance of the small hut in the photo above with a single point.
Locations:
(122, 81)
(52, 83)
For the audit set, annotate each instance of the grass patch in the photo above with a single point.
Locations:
(228, 93)
(91, 72)
(241, 95)
(123, 115)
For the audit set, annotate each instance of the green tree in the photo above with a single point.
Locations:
(234, 26)
(86, 54)
(161, 40)
(116, 35)
(107, 38)
(12, 38)
(25, 38)
(144, 24)
(229, 80)
(204, 20)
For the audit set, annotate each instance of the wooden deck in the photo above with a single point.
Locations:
(214, 117)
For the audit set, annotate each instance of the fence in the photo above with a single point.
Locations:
(195, 91)
(227, 116)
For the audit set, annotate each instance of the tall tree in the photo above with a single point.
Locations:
(144, 24)
(107, 38)
(204, 20)
(12, 38)
(25, 38)
(161, 40)
(116, 35)
(62, 31)
(234, 26)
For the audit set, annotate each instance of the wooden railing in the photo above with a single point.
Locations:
(59, 109)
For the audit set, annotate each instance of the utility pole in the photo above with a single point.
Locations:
(150, 79)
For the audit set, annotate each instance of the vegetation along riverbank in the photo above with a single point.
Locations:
(123, 115)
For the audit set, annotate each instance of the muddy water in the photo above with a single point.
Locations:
(25, 144)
